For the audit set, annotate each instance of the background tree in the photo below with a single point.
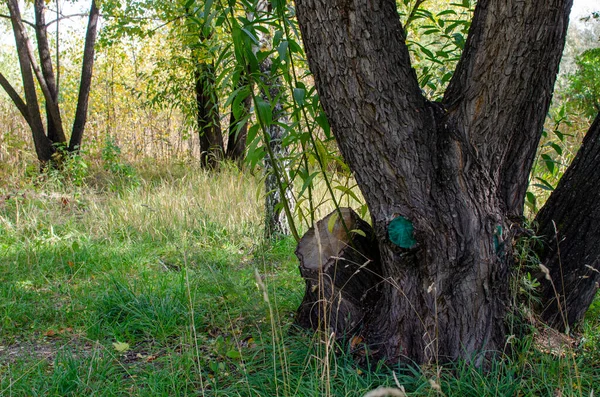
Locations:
(198, 74)
(272, 94)
(453, 172)
(46, 138)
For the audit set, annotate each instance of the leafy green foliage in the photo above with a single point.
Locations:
(584, 85)
(125, 174)
(555, 153)
(436, 38)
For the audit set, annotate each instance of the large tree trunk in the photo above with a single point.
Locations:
(454, 173)
(570, 225)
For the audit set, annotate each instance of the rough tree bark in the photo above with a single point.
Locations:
(570, 224)
(455, 171)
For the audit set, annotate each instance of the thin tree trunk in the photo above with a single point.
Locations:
(209, 121)
(52, 106)
(448, 175)
(570, 225)
(238, 126)
(276, 222)
(86, 79)
(55, 134)
(43, 145)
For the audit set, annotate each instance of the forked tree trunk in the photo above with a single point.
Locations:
(570, 225)
(454, 173)
(45, 139)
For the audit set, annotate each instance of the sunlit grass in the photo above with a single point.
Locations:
(165, 268)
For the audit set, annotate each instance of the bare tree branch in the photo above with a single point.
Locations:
(22, 20)
(85, 14)
(17, 100)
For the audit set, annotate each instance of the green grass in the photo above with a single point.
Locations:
(150, 290)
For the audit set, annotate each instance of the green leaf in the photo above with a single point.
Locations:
(446, 12)
(400, 232)
(307, 182)
(331, 221)
(282, 50)
(428, 53)
(549, 163)
(238, 108)
(543, 187)
(547, 185)
(252, 132)
(347, 191)
(530, 201)
(234, 354)
(299, 94)
(207, 7)
(559, 135)
(459, 40)
(556, 148)
(295, 47)
(263, 109)
(323, 122)
(359, 232)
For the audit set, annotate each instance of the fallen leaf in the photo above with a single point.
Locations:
(355, 341)
(121, 347)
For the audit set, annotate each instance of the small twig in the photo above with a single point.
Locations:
(22, 20)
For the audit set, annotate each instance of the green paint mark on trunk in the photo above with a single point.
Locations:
(400, 232)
